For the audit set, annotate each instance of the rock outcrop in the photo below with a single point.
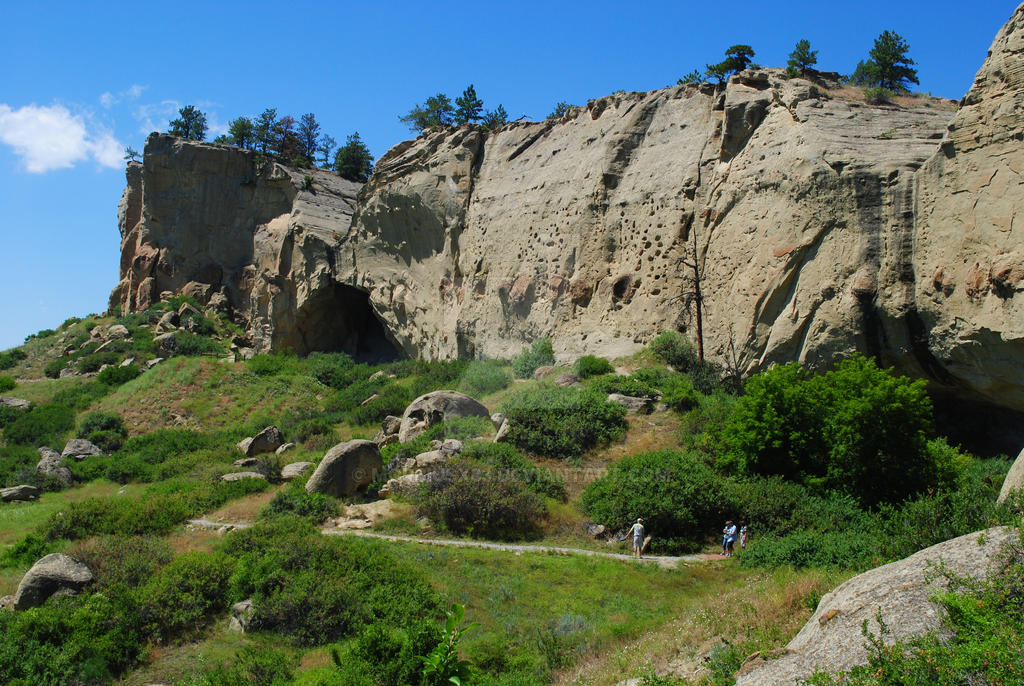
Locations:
(1014, 480)
(435, 407)
(819, 225)
(345, 468)
(899, 592)
(55, 573)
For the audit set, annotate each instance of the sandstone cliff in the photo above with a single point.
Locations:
(820, 225)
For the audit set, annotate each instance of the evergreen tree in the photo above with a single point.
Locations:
(469, 106)
(802, 58)
(264, 130)
(560, 109)
(889, 66)
(353, 160)
(737, 58)
(286, 141)
(309, 136)
(492, 119)
(242, 133)
(436, 111)
(326, 147)
(693, 77)
(131, 154)
(191, 124)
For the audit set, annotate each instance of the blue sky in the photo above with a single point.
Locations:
(80, 80)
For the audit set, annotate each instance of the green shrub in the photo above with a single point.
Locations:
(7, 384)
(391, 400)
(183, 596)
(8, 415)
(53, 368)
(253, 666)
(539, 354)
(315, 507)
(675, 349)
(107, 441)
(115, 376)
(41, 425)
(11, 357)
(859, 429)
(433, 376)
(101, 421)
(506, 458)
(331, 369)
(191, 345)
(679, 394)
(590, 365)
(383, 654)
(483, 378)
(562, 423)
(127, 561)
(626, 385)
(679, 497)
(271, 364)
(481, 501)
(93, 361)
(81, 395)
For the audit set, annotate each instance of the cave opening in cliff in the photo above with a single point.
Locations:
(339, 318)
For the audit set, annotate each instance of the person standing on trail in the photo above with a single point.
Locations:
(729, 538)
(743, 535)
(637, 530)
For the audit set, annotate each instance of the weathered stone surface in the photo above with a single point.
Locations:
(168, 322)
(388, 433)
(631, 403)
(284, 448)
(23, 492)
(79, 449)
(238, 476)
(501, 435)
(498, 418)
(295, 470)
(116, 332)
(822, 225)
(166, 344)
(53, 573)
(566, 379)
(246, 462)
(403, 486)
(832, 640)
(1014, 479)
(346, 468)
(16, 403)
(241, 615)
(434, 408)
(543, 372)
(266, 441)
(52, 464)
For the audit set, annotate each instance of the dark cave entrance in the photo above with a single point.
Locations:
(339, 318)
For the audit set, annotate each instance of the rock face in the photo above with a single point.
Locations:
(23, 492)
(820, 225)
(345, 468)
(1014, 480)
(832, 640)
(266, 441)
(79, 449)
(52, 464)
(52, 574)
(434, 408)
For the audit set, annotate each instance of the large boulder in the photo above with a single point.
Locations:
(632, 403)
(52, 464)
(1014, 480)
(23, 492)
(899, 592)
(55, 573)
(346, 468)
(404, 486)
(238, 476)
(434, 408)
(166, 345)
(79, 449)
(266, 441)
(241, 616)
(295, 470)
(16, 403)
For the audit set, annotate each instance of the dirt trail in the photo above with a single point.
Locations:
(662, 560)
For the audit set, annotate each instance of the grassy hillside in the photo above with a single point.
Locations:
(797, 457)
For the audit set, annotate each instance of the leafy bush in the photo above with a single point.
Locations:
(315, 507)
(190, 344)
(271, 364)
(679, 393)
(483, 378)
(101, 421)
(680, 498)
(562, 423)
(54, 367)
(383, 654)
(7, 383)
(433, 376)
(93, 361)
(11, 357)
(482, 501)
(391, 400)
(81, 395)
(590, 365)
(539, 354)
(184, 595)
(859, 429)
(121, 560)
(504, 457)
(40, 425)
(314, 589)
(115, 376)
(675, 349)
(331, 369)
(253, 666)
(626, 385)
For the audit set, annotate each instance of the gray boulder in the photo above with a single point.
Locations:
(632, 403)
(388, 433)
(52, 464)
(295, 470)
(501, 436)
(55, 573)
(16, 403)
(241, 616)
(403, 486)
(543, 372)
(246, 462)
(166, 345)
(238, 476)
(117, 332)
(266, 441)
(567, 379)
(1014, 478)
(285, 447)
(168, 322)
(346, 468)
(23, 492)
(434, 408)
(497, 419)
(79, 449)
(899, 592)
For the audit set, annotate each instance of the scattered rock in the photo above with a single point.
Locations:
(543, 372)
(127, 361)
(52, 574)
(79, 449)
(117, 332)
(295, 470)
(497, 419)
(7, 602)
(166, 345)
(246, 461)
(595, 530)
(346, 468)
(403, 486)
(16, 403)
(68, 372)
(632, 403)
(388, 433)
(502, 434)
(1014, 479)
(168, 322)
(898, 592)
(266, 441)
(241, 616)
(567, 379)
(154, 362)
(434, 408)
(238, 476)
(52, 464)
(23, 492)
(284, 448)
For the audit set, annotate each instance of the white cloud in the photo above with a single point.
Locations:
(133, 92)
(48, 138)
(154, 116)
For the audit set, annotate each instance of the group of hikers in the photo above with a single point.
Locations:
(729, 534)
